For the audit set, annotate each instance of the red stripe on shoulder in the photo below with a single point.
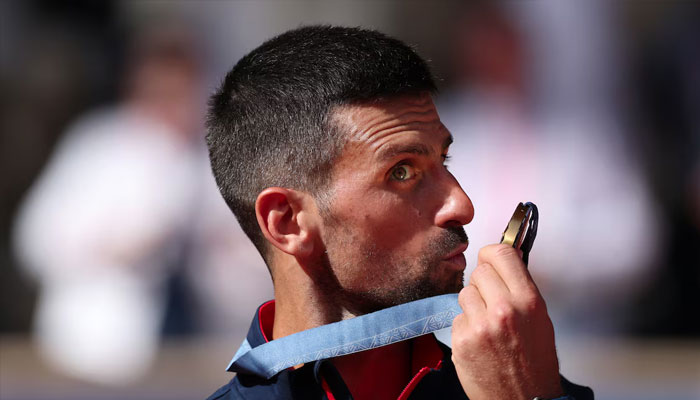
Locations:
(327, 389)
(427, 356)
(413, 383)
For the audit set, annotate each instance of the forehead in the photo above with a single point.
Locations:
(373, 127)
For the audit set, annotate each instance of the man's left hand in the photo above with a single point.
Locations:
(503, 343)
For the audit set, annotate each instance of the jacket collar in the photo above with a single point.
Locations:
(260, 331)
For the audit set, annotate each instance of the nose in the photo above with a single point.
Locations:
(457, 208)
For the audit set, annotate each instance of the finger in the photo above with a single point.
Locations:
(457, 323)
(471, 301)
(509, 266)
(490, 284)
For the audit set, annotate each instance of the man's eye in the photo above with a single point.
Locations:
(402, 173)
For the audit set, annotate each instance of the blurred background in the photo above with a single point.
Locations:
(124, 275)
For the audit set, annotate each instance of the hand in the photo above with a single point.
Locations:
(503, 343)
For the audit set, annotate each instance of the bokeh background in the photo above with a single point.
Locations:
(123, 274)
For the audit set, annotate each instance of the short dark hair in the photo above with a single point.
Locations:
(270, 125)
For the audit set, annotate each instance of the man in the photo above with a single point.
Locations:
(326, 145)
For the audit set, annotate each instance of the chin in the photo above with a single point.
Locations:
(452, 285)
(425, 288)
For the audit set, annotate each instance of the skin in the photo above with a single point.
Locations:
(396, 211)
(391, 232)
(503, 343)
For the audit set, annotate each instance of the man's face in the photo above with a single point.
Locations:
(393, 227)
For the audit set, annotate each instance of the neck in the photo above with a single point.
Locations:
(303, 303)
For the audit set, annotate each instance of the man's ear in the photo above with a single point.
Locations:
(286, 220)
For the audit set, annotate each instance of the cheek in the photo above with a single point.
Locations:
(390, 222)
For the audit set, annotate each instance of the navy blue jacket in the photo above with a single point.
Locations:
(434, 374)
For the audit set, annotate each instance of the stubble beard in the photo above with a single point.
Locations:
(391, 280)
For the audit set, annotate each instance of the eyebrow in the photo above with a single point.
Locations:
(412, 148)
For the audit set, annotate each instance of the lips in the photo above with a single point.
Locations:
(457, 251)
(456, 257)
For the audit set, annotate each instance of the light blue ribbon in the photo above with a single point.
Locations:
(377, 329)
